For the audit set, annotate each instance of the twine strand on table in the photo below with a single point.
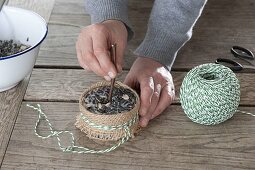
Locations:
(244, 112)
(78, 149)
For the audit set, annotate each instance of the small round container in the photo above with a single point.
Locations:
(108, 127)
(25, 27)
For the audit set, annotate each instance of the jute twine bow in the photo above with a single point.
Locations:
(210, 94)
(119, 127)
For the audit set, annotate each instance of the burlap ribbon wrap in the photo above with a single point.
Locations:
(108, 127)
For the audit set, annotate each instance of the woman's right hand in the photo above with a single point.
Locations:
(93, 47)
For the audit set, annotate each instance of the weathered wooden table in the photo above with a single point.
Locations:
(171, 141)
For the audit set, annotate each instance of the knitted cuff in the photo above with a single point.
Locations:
(101, 10)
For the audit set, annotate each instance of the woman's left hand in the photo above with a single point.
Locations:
(155, 85)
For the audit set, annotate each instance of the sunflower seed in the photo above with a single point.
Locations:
(123, 100)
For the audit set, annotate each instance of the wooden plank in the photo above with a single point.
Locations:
(171, 141)
(10, 100)
(60, 84)
(75, 7)
(68, 84)
(43, 8)
(59, 47)
(220, 27)
(62, 38)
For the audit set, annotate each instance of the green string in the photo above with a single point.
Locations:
(78, 149)
(210, 94)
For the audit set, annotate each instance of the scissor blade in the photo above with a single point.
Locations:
(249, 67)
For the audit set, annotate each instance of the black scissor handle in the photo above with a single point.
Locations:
(241, 52)
(233, 65)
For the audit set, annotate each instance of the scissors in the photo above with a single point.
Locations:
(241, 53)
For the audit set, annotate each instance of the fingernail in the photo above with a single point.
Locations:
(107, 78)
(110, 74)
(159, 87)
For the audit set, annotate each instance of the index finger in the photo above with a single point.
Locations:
(101, 51)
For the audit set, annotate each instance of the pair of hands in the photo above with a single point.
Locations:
(151, 79)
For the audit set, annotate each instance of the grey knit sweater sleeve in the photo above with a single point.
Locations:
(169, 28)
(101, 10)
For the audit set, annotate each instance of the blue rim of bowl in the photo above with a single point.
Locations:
(33, 47)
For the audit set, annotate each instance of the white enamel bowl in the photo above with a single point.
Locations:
(28, 28)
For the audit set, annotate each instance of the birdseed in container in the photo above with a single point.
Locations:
(9, 47)
(96, 101)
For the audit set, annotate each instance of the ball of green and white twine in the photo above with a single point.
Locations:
(210, 94)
